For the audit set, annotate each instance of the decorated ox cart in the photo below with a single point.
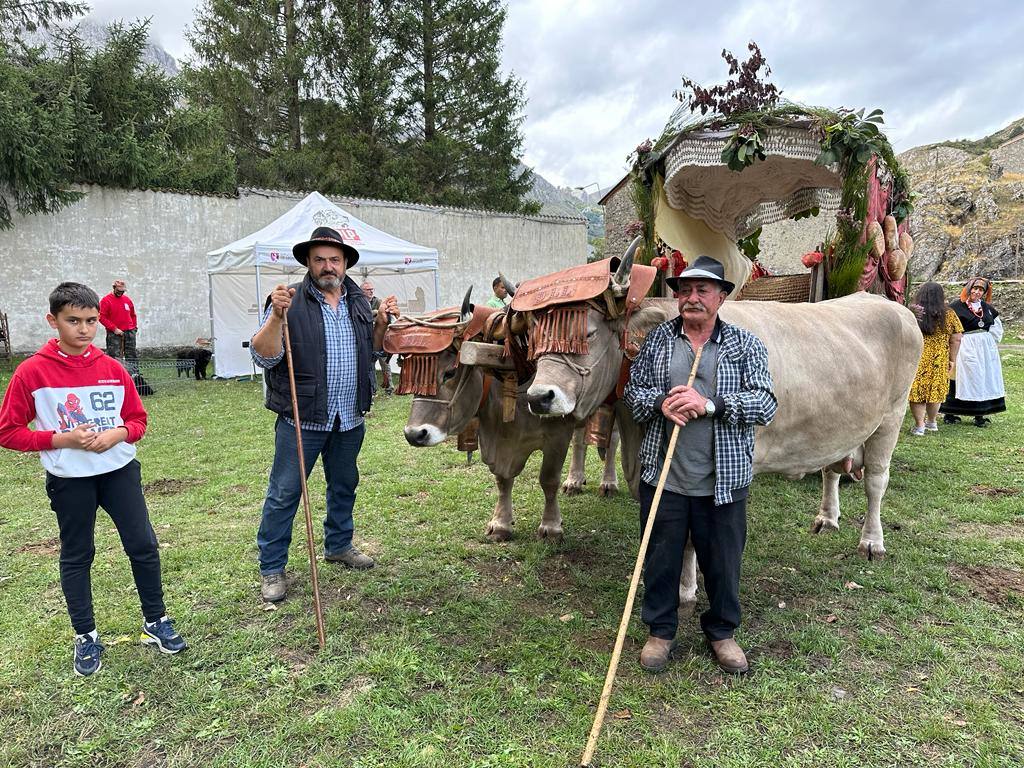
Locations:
(711, 187)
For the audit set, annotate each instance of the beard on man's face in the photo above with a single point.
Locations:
(328, 282)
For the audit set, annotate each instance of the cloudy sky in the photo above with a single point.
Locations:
(600, 74)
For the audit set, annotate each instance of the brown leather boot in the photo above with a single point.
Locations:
(730, 656)
(351, 558)
(656, 653)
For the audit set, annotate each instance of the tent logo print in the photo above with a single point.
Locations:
(325, 217)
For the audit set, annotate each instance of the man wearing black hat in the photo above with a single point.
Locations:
(705, 494)
(333, 335)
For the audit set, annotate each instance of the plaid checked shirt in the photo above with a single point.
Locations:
(744, 399)
(342, 368)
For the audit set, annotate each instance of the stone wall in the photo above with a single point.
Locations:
(158, 241)
(619, 213)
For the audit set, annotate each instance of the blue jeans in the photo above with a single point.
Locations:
(339, 451)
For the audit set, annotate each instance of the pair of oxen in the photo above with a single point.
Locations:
(842, 371)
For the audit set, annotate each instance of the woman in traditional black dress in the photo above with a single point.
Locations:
(977, 389)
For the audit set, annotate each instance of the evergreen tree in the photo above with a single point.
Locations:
(17, 16)
(461, 117)
(352, 128)
(75, 115)
(250, 62)
(36, 133)
(132, 128)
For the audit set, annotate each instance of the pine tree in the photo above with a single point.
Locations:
(250, 61)
(36, 133)
(461, 118)
(17, 16)
(76, 115)
(352, 128)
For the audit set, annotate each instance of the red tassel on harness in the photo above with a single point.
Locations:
(560, 330)
(419, 375)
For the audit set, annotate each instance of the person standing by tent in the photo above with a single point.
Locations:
(117, 315)
(382, 358)
(500, 298)
(333, 337)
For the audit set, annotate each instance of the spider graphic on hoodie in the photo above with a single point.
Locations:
(70, 413)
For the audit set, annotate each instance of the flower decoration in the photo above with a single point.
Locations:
(673, 264)
(812, 258)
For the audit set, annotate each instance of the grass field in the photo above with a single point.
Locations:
(458, 652)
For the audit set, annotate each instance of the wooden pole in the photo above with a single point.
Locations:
(314, 575)
(613, 665)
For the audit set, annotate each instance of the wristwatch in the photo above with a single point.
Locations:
(709, 407)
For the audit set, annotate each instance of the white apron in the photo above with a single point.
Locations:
(979, 372)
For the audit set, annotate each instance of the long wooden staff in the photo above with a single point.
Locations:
(613, 665)
(321, 636)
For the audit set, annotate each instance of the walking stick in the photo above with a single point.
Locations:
(613, 665)
(314, 575)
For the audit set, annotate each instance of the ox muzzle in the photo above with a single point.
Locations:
(549, 400)
(424, 435)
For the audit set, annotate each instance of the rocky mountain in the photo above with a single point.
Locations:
(563, 201)
(94, 35)
(969, 212)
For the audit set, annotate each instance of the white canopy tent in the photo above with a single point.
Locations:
(243, 273)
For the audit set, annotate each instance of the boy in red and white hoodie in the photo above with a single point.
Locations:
(88, 417)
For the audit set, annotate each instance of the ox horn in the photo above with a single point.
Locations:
(626, 265)
(510, 287)
(467, 308)
(500, 329)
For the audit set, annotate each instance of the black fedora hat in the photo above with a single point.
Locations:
(325, 236)
(704, 268)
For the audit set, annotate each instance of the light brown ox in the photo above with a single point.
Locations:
(842, 371)
(505, 447)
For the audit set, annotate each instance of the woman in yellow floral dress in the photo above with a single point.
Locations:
(942, 331)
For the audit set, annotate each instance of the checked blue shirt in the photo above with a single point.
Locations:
(744, 400)
(342, 368)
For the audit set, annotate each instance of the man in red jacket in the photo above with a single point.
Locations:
(88, 417)
(117, 315)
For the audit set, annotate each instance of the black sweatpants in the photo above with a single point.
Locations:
(719, 535)
(75, 500)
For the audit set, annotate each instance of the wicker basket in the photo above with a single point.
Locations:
(788, 288)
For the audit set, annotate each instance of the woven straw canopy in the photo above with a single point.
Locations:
(737, 203)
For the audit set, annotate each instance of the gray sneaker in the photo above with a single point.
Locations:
(274, 587)
(352, 558)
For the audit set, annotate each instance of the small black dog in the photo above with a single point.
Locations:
(144, 388)
(193, 361)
